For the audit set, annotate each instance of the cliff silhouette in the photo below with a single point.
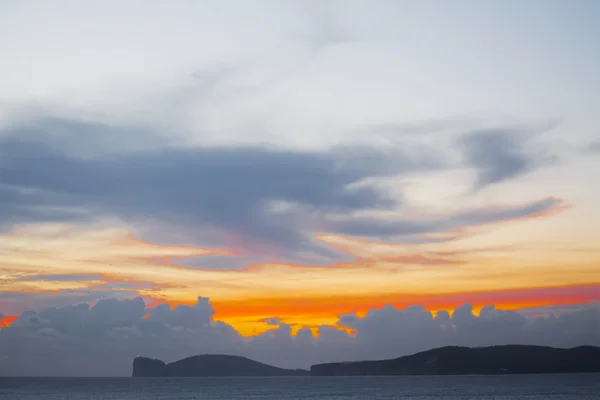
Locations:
(510, 359)
(209, 365)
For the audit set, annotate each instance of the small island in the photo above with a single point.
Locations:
(510, 359)
(209, 365)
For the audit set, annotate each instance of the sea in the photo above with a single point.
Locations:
(502, 387)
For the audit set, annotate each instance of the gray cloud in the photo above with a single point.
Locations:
(593, 147)
(184, 316)
(498, 155)
(47, 176)
(13, 303)
(64, 170)
(103, 339)
(391, 227)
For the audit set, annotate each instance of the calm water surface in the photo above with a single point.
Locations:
(553, 387)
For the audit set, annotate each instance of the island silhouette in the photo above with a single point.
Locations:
(210, 365)
(450, 360)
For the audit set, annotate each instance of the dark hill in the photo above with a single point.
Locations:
(513, 359)
(209, 365)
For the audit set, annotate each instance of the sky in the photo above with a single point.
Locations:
(295, 181)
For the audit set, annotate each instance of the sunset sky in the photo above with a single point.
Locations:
(298, 162)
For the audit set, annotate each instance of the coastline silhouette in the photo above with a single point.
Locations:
(450, 360)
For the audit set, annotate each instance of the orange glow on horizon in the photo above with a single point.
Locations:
(7, 320)
(247, 316)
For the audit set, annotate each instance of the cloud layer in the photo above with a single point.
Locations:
(104, 338)
(62, 170)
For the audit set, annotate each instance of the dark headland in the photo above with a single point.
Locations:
(512, 359)
(209, 365)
